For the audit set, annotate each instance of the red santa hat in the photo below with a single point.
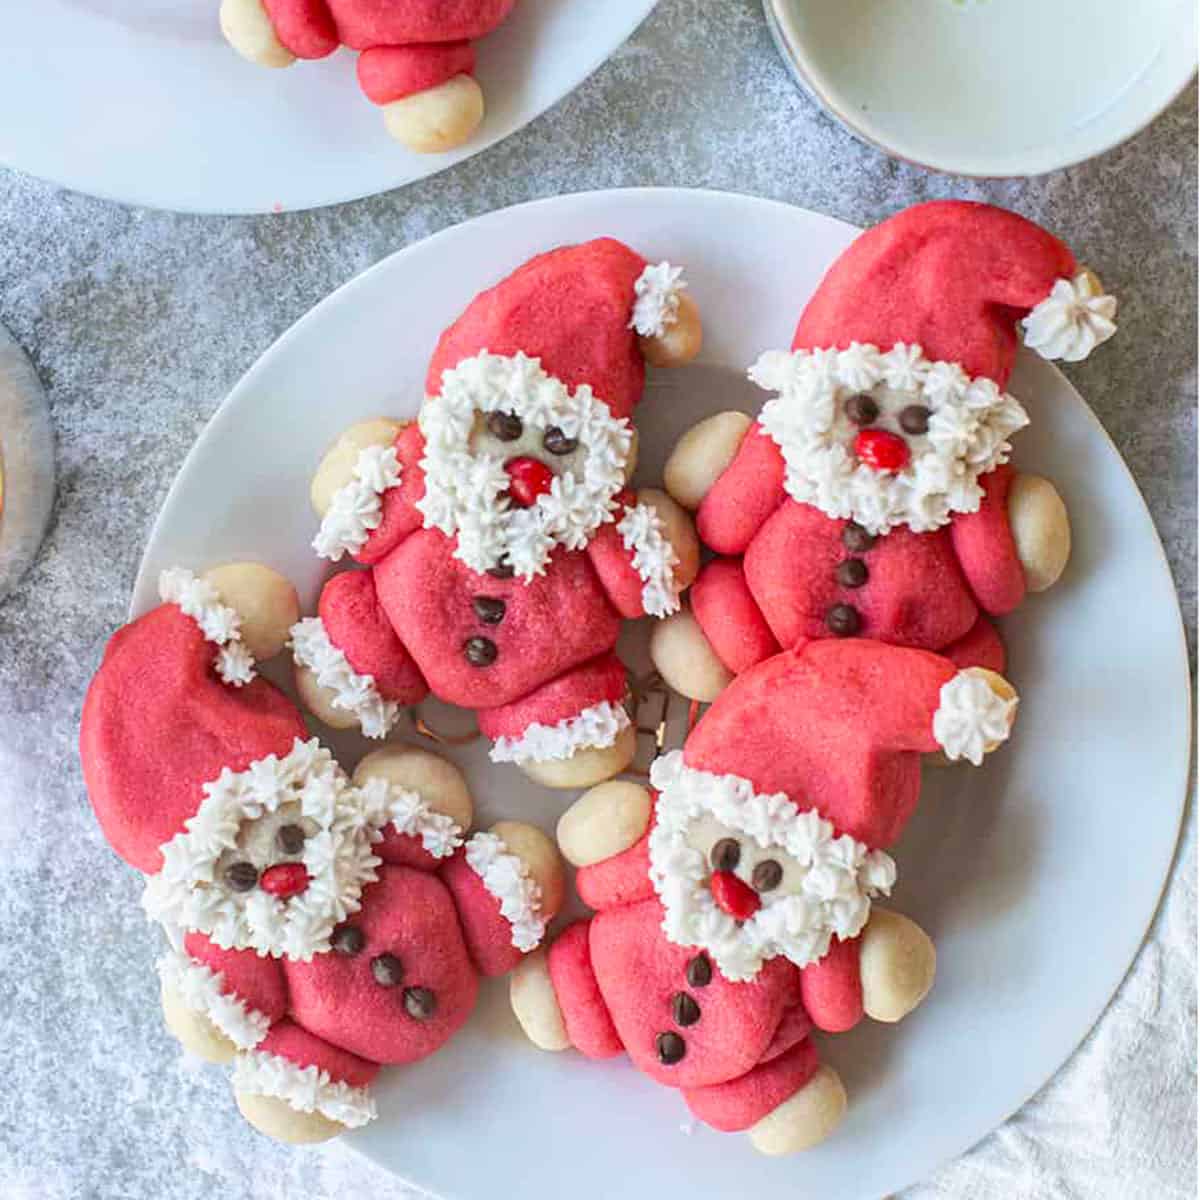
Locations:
(196, 767)
(954, 278)
(812, 757)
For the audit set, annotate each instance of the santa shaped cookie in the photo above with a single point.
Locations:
(320, 926)
(871, 497)
(503, 547)
(735, 901)
(416, 57)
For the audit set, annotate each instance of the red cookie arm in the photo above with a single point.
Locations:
(256, 980)
(622, 879)
(613, 562)
(487, 933)
(305, 27)
(984, 544)
(586, 1017)
(401, 516)
(832, 989)
(744, 497)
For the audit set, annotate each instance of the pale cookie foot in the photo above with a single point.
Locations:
(1041, 530)
(318, 700)
(248, 29)
(436, 780)
(585, 767)
(806, 1119)
(682, 655)
(703, 455)
(264, 599)
(337, 467)
(279, 1120)
(679, 531)
(535, 1005)
(897, 965)
(540, 857)
(680, 342)
(437, 119)
(194, 1031)
(604, 822)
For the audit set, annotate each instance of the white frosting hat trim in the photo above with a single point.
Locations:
(654, 559)
(188, 892)
(306, 1089)
(220, 624)
(466, 493)
(353, 693)
(357, 508)
(1073, 320)
(507, 879)
(841, 875)
(595, 728)
(656, 307)
(199, 986)
(971, 718)
(970, 423)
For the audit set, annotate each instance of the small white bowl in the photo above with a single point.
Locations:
(990, 87)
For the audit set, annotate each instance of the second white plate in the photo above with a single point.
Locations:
(1036, 876)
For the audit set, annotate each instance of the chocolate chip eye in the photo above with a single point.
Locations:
(557, 442)
(861, 409)
(290, 838)
(915, 419)
(767, 875)
(387, 970)
(505, 426)
(348, 940)
(242, 876)
(725, 855)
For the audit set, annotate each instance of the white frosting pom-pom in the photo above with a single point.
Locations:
(972, 718)
(1073, 320)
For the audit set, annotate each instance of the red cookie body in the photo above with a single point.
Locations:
(549, 624)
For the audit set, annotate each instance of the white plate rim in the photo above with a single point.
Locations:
(143, 595)
(1042, 161)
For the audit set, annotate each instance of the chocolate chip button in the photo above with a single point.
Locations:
(480, 651)
(861, 409)
(387, 970)
(489, 609)
(684, 1009)
(501, 570)
(671, 1048)
(557, 442)
(290, 838)
(241, 876)
(852, 573)
(843, 620)
(348, 940)
(915, 419)
(699, 971)
(505, 426)
(420, 1003)
(855, 538)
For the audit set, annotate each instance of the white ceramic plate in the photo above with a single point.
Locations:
(1036, 876)
(142, 101)
(990, 87)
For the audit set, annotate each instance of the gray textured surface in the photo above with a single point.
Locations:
(139, 323)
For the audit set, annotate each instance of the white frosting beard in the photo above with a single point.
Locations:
(836, 876)
(970, 423)
(466, 491)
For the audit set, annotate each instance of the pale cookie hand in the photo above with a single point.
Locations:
(897, 964)
(685, 659)
(805, 1119)
(248, 29)
(1041, 530)
(604, 822)
(436, 780)
(437, 119)
(703, 455)
(536, 1007)
(266, 602)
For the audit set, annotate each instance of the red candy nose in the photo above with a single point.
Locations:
(882, 450)
(284, 880)
(530, 479)
(734, 897)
